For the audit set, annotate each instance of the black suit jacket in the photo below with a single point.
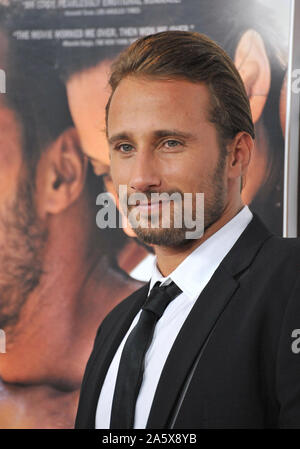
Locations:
(232, 364)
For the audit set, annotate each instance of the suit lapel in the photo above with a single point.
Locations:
(188, 343)
(202, 320)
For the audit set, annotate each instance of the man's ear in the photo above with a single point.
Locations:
(239, 155)
(252, 62)
(61, 174)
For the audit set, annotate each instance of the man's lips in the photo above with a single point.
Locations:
(150, 205)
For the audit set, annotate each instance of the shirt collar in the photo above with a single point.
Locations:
(197, 268)
(158, 277)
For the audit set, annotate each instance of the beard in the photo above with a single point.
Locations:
(21, 253)
(172, 236)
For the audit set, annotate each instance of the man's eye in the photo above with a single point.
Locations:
(125, 148)
(172, 143)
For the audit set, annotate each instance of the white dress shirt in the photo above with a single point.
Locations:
(191, 276)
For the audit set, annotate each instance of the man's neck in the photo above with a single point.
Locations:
(168, 258)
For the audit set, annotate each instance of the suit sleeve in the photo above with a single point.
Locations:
(288, 364)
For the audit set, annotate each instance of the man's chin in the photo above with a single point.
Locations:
(162, 237)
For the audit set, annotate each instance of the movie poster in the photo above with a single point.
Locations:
(60, 274)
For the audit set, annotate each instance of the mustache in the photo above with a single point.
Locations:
(148, 194)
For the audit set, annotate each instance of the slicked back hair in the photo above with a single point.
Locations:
(196, 58)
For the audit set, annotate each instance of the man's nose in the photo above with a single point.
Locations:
(145, 173)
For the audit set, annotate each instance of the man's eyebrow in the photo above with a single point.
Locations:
(158, 134)
(173, 133)
(117, 137)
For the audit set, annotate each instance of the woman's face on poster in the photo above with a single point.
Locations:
(88, 93)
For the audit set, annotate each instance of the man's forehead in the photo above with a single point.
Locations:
(176, 104)
(170, 96)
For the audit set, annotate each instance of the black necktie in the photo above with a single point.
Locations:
(131, 367)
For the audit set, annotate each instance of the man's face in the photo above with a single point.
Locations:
(162, 141)
(21, 235)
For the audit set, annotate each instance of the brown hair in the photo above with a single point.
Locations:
(196, 58)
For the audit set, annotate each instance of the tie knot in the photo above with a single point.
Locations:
(160, 297)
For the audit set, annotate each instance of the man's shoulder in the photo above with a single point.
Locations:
(279, 257)
(273, 245)
(276, 269)
(284, 247)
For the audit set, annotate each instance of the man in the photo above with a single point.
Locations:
(222, 354)
(247, 31)
(56, 267)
